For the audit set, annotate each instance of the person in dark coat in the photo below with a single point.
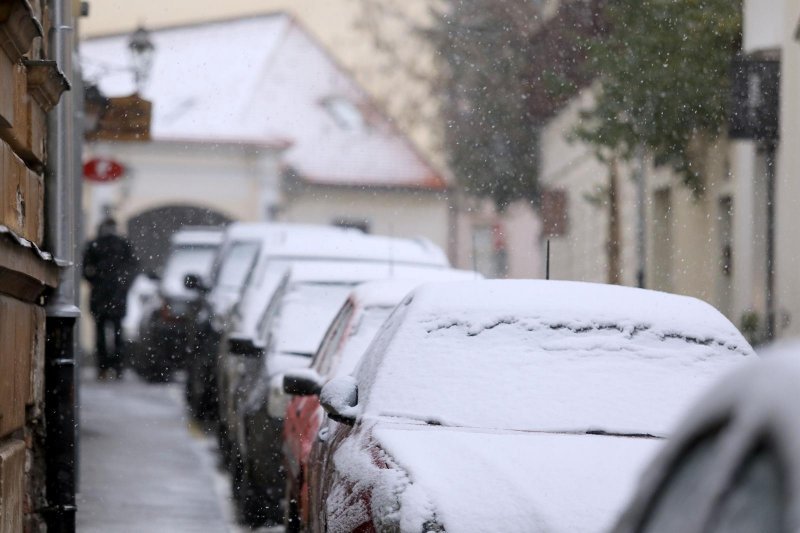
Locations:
(109, 265)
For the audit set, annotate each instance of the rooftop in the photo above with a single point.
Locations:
(263, 80)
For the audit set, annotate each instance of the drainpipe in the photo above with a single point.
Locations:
(769, 153)
(62, 310)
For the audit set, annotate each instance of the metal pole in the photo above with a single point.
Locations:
(62, 310)
(769, 152)
(641, 196)
(547, 262)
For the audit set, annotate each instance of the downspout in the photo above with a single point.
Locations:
(62, 310)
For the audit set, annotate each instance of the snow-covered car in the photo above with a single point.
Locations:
(734, 464)
(164, 331)
(512, 406)
(348, 336)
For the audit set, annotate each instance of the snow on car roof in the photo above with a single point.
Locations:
(391, 292)
(197, 237)
(374, 301)
(328, 242)
(547, 356)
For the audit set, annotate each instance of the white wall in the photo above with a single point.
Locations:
(684, 243)
(763, 24)
(399, 213)
(787, 275)
(240, 181)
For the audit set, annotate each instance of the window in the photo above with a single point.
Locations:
(360, 224)
(332, 341)
(755, 500)
(237, 264)
(345, 113)
(680, 504)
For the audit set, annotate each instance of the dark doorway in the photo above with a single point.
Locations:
(150, 231)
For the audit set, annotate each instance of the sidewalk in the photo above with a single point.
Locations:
(141, 467)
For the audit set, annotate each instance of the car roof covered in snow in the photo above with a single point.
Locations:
(197, 236)
(390, 292)
(547, 356)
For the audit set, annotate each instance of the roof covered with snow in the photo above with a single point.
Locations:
(264, 80)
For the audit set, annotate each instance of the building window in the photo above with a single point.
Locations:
(360, 224)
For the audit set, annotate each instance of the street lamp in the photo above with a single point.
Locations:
(142, 50)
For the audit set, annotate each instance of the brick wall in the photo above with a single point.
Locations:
(28, 89)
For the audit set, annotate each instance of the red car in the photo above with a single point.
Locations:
(346, 340)
(511, 406)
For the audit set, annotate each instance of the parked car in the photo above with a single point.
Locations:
(217, 295)
(164, 330)
(356, 323)
(540, 401)
(284, 246)
(734, 464)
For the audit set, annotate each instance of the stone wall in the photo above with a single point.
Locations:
(29, 87)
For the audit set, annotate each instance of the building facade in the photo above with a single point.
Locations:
(34, 37)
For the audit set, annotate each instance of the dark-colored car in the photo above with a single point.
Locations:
(164, 330)
(218, 294)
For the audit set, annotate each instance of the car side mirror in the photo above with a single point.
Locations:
(339, 398)
(194, 282)
(302, 382)
(245, 347)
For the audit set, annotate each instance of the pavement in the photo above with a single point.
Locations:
(144, 466)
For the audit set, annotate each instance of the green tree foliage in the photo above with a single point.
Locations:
(483, 53)
(662, 69)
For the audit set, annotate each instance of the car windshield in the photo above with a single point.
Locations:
(526, 375)
(305, 314)
(236, 265)
(185, 260)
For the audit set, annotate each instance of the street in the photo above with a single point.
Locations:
(143, 465)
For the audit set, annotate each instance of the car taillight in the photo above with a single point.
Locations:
(166, 313)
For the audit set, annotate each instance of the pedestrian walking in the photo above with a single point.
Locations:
(109, 266)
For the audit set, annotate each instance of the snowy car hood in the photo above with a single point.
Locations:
(478, 480)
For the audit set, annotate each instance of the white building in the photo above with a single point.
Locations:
(772, 29)
(712, 246)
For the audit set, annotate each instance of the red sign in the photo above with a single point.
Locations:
(102, 170)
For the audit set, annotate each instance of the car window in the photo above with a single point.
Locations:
(677, 500)
(236, 265)
(305, 312)
(264, 326)
(333, 338)
(755, 500)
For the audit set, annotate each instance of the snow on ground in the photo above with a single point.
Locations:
(144, 466)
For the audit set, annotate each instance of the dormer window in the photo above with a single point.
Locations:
(345, 113)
